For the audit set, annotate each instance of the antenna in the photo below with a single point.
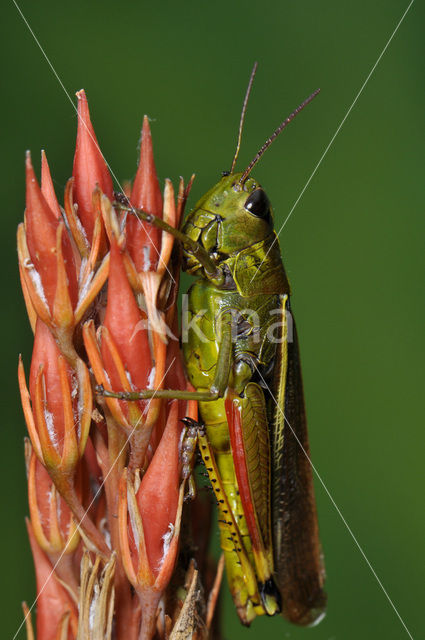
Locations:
(274, 135)
(245, 103)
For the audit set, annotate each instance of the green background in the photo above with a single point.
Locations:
(353, 247)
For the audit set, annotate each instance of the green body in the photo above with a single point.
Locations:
(250, 277)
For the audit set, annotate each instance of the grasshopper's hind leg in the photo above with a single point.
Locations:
(240, 571)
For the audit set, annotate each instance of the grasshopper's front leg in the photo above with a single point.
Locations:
(212, 272)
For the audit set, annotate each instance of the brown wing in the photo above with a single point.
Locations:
(299, 571)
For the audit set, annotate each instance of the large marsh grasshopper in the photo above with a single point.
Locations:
(241, 355)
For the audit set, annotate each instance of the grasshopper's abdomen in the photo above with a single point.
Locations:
(207, 306)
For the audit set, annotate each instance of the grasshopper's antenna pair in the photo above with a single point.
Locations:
(274, 135)
(244, 106)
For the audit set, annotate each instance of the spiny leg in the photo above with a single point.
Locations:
(192, 247)
(227, 519)
(187, 455)
(217, 390)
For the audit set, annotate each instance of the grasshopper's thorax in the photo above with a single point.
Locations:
(234, 223)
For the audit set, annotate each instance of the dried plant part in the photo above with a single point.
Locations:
(97, 594)
(191, 621)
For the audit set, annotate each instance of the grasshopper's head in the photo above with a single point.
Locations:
(231, 216)
(236, 213)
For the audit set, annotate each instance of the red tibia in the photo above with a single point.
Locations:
(143, 240)
(238, 451)
(40, 227)
(127, 326)
(89, 167)
(53, 600)
(158, 493)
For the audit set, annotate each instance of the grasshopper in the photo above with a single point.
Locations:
(241, 356)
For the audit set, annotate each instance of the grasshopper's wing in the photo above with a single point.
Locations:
(298, 564)
(249, 437)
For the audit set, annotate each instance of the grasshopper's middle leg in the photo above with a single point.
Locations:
(216, 391)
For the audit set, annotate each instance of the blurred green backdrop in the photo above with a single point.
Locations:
(353, 246)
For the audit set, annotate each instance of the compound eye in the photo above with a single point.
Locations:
(258, 204)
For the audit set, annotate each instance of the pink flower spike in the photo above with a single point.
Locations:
(146, 193)
(126, 324)
(143, 240)
(51, 517)
(46, 354)
(89, 169)
(41, 228)
(53, 600)
(158, 494)
(47, 188)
